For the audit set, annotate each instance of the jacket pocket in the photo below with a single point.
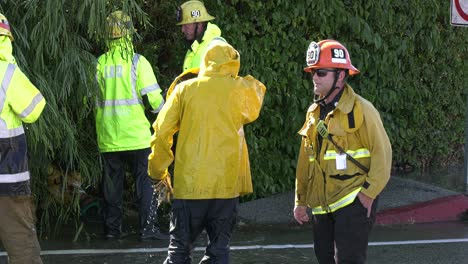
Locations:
(316, 185)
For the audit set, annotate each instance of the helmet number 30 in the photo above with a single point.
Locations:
(195, 13)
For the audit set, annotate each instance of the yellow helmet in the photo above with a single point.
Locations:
(119, 25)
(5, 27)
(192, 12)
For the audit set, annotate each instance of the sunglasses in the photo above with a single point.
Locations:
(322, 72)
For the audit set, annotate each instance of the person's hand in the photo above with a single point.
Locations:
(155, 184)
(366, 201)
(300, 214)
(164, 188)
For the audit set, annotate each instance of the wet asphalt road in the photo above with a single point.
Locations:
(417, 243)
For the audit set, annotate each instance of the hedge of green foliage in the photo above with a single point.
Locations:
(412, 61)
(413, 68)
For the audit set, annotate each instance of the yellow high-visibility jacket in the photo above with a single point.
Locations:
(124, 78)
(20, 101)
(356, 127)
(209, 112)
(197, 50)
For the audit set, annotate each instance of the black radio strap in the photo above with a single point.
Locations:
(323, 132)
(353, 160)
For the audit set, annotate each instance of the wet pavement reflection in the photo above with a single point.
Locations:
(414, 243)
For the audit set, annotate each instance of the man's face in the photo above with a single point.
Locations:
(323, 80)
(189, 31)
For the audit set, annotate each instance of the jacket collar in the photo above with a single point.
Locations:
(346, 102)
(211, 32)
(122, 45)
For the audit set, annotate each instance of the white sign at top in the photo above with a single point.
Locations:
(459, 12)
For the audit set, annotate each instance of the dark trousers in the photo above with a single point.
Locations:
(113, 184)
(343, 234)
(18, 231)
(190, 217)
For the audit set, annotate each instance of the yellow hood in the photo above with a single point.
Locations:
(221, 59)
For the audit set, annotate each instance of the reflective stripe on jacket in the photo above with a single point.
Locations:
(20, 101)
(194, 56)
(322, 181)
(347, 200)
(209, 113)
(124, 78)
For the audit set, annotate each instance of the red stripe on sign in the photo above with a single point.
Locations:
(5, 26)
(460, 10)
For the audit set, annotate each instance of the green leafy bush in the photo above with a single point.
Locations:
(413, 68)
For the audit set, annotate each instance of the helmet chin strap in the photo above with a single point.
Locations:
(189, 42)
(197, 36)
(321, 100)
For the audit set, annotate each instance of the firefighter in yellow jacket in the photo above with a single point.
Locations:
(211, 163)
(344, 160)
(128, 86)
(20, 101)
(194, 19)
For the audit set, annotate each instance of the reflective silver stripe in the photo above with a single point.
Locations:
(122, 102)
(8, 133)
(135, 99)
(4, 131)
(6, 83)
(11, 178)
(136, 58)
(96, 79)
(214, 41)
(155, 111)
(36, 100)
(219, 38)
(149, 89)
(360, 153)
(348, 199)
(329, 155)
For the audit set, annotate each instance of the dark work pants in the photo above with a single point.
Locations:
(113, 183)
(346, 231)
(190, 217)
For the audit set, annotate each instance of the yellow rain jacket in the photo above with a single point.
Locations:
(356, 127)
(209, 112)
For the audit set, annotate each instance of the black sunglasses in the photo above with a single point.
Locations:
(322, 72)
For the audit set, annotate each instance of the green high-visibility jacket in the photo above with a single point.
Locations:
(20, 101)
(197, 51)
(124, 78)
